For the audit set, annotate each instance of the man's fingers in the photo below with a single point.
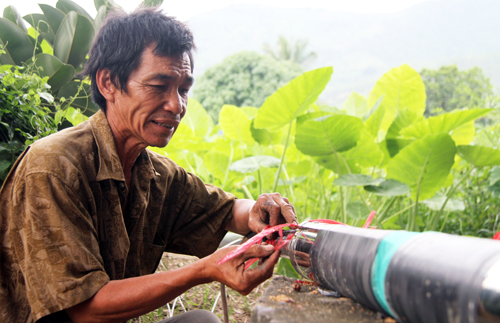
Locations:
(287, 210)
(265, 268)
(269, 205)
(257, 251)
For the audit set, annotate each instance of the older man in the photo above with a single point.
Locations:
(87, 213)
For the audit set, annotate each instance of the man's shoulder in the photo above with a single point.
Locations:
(68, 149)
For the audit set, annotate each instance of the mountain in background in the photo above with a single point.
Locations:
(360, 47)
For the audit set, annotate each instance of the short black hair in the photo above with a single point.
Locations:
(120, 42)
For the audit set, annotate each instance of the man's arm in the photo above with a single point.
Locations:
(271, 208)
(120, 300)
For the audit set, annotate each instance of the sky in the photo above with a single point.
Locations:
(185, 9)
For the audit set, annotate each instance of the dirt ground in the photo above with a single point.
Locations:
(203, 297)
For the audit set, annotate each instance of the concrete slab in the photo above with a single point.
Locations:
(281, 303)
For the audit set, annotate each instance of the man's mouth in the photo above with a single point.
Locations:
(164, 125)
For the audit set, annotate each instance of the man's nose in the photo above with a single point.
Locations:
(174, 104)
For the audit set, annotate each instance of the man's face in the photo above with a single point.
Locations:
(156, 99)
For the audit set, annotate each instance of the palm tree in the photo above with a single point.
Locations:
(288, 50)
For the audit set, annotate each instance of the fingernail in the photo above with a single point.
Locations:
(269, 248)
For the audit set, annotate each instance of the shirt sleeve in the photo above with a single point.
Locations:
(55, 243)
(201, 213)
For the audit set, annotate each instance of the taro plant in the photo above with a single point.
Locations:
(57, 44)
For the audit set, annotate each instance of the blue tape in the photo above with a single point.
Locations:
(386, 249)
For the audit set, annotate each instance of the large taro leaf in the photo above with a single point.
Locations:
(81, 94)
(464, 134)
(443, 123)
(59, 74)
(254, 163)
(217, 164)
(235, 124)
(110, 4)
(67, 5)
(17, 45)
(389, 187)
(356, 105)
(99, 18)
(265, 137)
(402, 87)
(73, 39)
(366, 153)
(480, 156)
(404, 118)
(13, 15)
(54, 16)
(293, 99)
(40, 23)
(352, 180)
(357, 210)
(337, 163)
(197, 119)
(436, 202)
(327, 135)
(424, 164)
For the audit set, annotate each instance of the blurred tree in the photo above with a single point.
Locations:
(242, 79)
(288, 50)
(448, 88)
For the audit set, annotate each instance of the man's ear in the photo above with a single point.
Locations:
(106, 86)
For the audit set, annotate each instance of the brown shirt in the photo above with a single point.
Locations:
(68, 223)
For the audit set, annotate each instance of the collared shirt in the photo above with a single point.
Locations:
(68, 223)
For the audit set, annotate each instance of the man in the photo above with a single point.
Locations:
(87, 213)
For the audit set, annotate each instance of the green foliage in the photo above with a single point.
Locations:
(243, 79)
(56, 45)
(27, 112)
(448, 89)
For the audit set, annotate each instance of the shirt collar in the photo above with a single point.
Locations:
(110, 166)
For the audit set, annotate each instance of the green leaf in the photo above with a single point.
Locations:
(197, 119)
(352, 180)
(152, 3)
(389, 187)
(99, 18)
(108, 3)
(366, 153)
(13, 15)
(337, 163)
(265, 137)
(401, 87)
(67, 6)
(480, 156)
(4, 165)
(424, 164)
(436, 202)
(75, 116)
(73, 39)
(81, 92)
(217, 164)
(17, 45)
(356, 105)
(235, 124)
(323, 136)
(46, 96)
(285, 268)
(464, 134)
(404, 118)
(357, 210)
(443, 123)
(293, 99)
(59, 74)
(39, 22)
(54, 17)
(494, 175)
(254, 163)
(374, 121)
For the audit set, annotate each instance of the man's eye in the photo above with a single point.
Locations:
(159, 87)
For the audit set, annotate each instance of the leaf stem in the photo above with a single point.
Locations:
(275, 186)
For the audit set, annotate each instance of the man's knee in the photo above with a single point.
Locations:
(194, 316)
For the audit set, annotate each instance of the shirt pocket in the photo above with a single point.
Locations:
(150, 257)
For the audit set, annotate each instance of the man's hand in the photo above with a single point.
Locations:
(233, 273)
(270, 208)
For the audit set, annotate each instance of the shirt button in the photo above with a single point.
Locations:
(121, 186)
